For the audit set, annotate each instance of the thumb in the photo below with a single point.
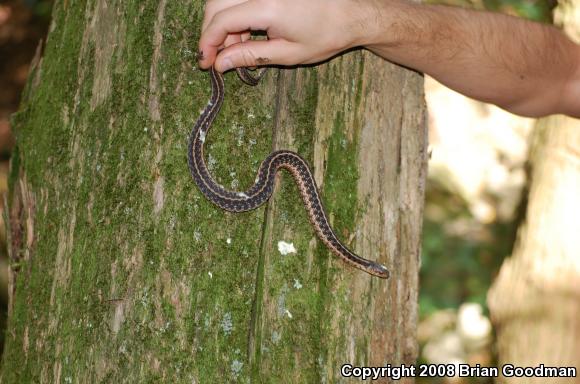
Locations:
(252, 53)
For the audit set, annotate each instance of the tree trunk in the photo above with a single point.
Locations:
(123, 272)
(535, 302)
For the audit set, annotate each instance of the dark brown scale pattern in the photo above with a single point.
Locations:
(263, 187)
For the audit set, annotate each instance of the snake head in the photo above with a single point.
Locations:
(378, 270)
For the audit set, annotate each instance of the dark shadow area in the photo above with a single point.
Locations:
(23, 24)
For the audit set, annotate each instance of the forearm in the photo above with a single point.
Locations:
(525, 67)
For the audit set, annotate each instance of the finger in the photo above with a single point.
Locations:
(214, 6)
(253, 53)
(233, 38)
(239, 18)
(246, 36)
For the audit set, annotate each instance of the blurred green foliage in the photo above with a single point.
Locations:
(460, 257)
(537, 10)
(459, 266)
(40, 8)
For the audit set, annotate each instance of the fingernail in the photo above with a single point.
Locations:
(227, 64)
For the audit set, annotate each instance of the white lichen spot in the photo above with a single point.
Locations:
(145, 298)
(285, 248)
(236, 367)
(164, 327)
(242, 194)
(251, 115)
(297, 284)
(235, 184)
(211, 162)
(288, 314)
(227, 324)
(253, 142)
(210, 274)
(68, 379)
(240, 131)
(145, 129)
(228, 240)
(202, 136)
(197, 235)
(276, 337)
(98, 167)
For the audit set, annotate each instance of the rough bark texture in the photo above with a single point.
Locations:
(535, 302)
(123, 272)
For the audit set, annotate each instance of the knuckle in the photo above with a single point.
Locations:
(217, 8)
(211, 6)
(247, 56)
(218, 17)
(209, 11)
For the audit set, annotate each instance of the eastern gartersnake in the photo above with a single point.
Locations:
(263, 186)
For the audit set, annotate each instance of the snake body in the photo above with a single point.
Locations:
(263, 186)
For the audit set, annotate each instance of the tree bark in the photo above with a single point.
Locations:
(535, 302)
(123, 272)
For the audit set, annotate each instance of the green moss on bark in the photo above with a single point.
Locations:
(133, 276)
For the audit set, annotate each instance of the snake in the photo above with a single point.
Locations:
(261, 191)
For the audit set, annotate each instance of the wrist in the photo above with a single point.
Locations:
(381, 23)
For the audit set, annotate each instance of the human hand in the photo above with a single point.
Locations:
(299, 31)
